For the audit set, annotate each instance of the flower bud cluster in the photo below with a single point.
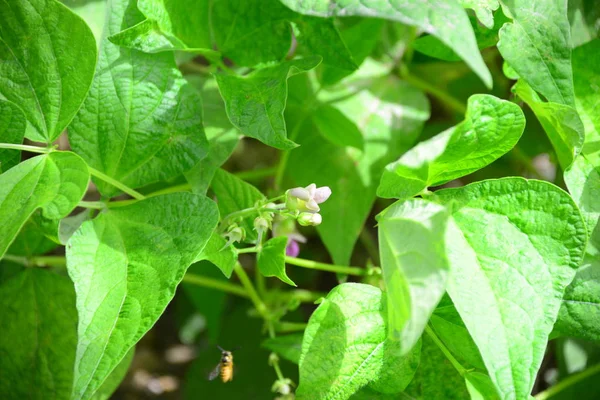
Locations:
(305, 201)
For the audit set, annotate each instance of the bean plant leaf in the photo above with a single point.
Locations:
(12, 130)
(113, 380)
(483, 9)
(507, 281)
(39, 335)
(54, 182)
(255, 103)
(126, 265)
(48, 56)
(142, 121)
(217, 251)
(583, 17)
(233, 194)
(346, 347)
(337, 128)
(490, 129)
(32, 239)
(288, 346)
(561, 123)
(537, 45)
(270, 260)
(368, 100)
(445, 19)
(414, 263)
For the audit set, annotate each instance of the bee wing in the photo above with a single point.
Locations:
(215, 372)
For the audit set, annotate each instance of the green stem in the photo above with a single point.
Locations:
(461, 370)
(300, 262)
(24, 147)
(39, 261)
(567, 382)
(256, 174)
(275, 364)
(223, 286)
(247, 284)
(117, 184)
(427, 87)
(98, 205)
(370, 245)
(253, 249)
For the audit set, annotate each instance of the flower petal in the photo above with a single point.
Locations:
(322, 194)
(300, 193)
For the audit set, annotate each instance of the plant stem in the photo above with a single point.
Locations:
(441, 95)
(117, 184)
(256, 174)
(98, 205)
(24, 147)
(370, 245)
(568, 381)
(200, 280)
(38, 261)
(300, 262)
(247, 284)
(253, 249)
(461, 370)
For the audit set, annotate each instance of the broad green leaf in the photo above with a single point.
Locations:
(370, 99)
(31, 240)
(490, 129)
(480, 386)
(445, 19)
(346, 347)
(561, 123)
(113, 380)
(233, 194)
(483, 9)
(255, 103)
(537, 44)
(215, 251)
(141, 122)
(47, 55)
(337, 128)
(514, 246)
(583, 17)
(92, 12)
(60, 230)
(12, 129)
(222, 136)
(288, 346)
(38, 322)
(270, 260)
(207, 301)
(54, 182)
(414, 263)
(126, 265)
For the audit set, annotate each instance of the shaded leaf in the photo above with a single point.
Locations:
(215, 251)
(126, 265)
(12, 129)
(287, 346)
(270, 260)
(483, 9)
(48, 57)
(141, 122)
(490, 129)
(337, 128)
(54, 182)
(113, 380)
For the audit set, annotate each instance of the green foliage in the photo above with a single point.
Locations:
(232, 141)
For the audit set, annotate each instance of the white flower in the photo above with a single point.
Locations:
(309, 219)
(312, 196)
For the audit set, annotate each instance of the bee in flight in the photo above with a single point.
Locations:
(224, 368)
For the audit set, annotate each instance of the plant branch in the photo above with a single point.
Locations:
(252, 294)
(97, 205)
(300, 262)
(256, 174)
(567, 382)
(370, 245)
(37, 261)
(116, 183)
(223, 286)
(24, 147)
(461, 370)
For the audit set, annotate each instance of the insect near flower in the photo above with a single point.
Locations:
(224, 368)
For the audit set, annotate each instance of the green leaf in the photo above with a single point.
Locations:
(142, 121)
(537, 46)
(288, 346)
(346, 347)
(92, 12)
(414, 263)
(337, 128)
(12, 129)
(54, 182)
(583, 17)
(483, 9)
(38, 321)
(31, 240)
(48, 57)
(369, 99)
(113, 380)
(490, 129)
(445, 19)
(126, 265)
(480, 386)
(561, 123)
(255, 103)
(233, 194)
(507, 280)
(270, 260)
(215, 251)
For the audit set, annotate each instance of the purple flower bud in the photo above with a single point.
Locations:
(292, 249)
